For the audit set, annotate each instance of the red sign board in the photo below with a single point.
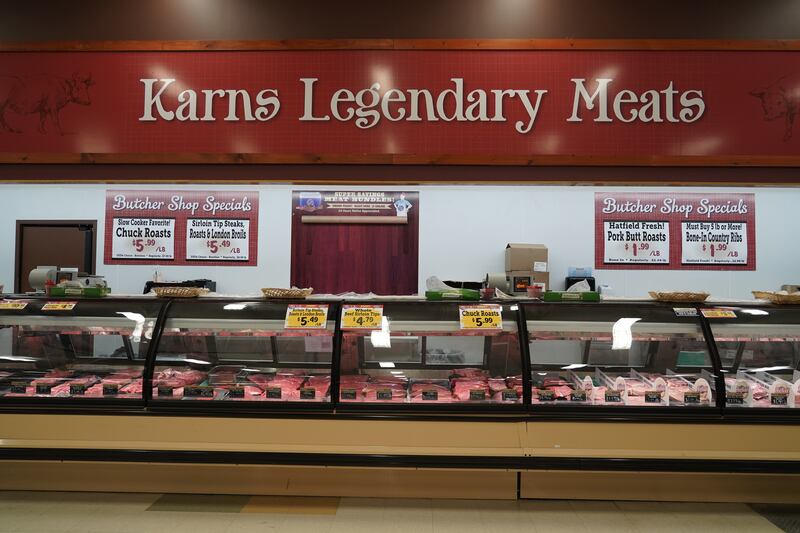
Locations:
(181, 227)
(613, 104)
(675, 231)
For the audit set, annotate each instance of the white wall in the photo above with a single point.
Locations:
(463, 233)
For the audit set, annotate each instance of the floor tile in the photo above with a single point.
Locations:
(291, 505)
(206, 503)
(63, 512)
(786, 517)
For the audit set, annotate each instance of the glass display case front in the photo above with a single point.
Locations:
(618, 355)
(759, 349)
(245, 351)
(82, 350)
(432, 354)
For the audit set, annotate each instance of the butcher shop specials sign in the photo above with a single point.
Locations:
(353, 104)
(182, 227)
(675, 231)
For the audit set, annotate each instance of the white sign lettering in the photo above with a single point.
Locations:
(367, 106)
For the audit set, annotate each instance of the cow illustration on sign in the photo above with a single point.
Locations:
(781, 100)
(42, 94)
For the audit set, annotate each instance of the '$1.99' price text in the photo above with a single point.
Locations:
(641, 248)
(713, 249)
(215, 247)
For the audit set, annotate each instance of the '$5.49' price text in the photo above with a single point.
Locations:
(215, 247)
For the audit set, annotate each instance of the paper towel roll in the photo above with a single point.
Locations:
(39, 276)
(497, 280)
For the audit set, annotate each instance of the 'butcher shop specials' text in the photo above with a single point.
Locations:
(177, 203)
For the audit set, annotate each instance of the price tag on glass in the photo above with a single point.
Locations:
(362, 316)
(486, 316)
(718, 313)
(9, 305)
(59, 306)
(306, 317)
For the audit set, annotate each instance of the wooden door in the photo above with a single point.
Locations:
(53, 243)
(335, 258)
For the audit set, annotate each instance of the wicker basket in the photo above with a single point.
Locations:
(776, 298)
(271, 292)
(680, 297)
(179, 292)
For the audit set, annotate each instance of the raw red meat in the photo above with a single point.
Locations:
(260, 379)
(354, 382)
(561, 391)
(134, 388)
(130, 373)
(58, 374)
(397, 390)
(514, 381)
(498, 396)
(321, 384)
(419, 390)
(470, 373)
(178, 378)
(251, 393)
(497, 384)
(463, 387)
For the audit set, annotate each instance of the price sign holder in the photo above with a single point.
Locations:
(11, 305)
(59, 306)
(718, 313)
(308, 316)
(485, 316)
(362, 316)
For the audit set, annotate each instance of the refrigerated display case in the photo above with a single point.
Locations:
(759, 350)
(84, 352)
(162, 395)
(619, 357)
(226, 351)
(423, 355)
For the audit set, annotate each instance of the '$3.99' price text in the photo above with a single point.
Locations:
(215, 246)
(140, 244)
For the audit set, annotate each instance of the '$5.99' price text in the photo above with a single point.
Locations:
(140, 244)
(215, 247)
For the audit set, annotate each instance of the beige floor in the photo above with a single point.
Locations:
(56, 512)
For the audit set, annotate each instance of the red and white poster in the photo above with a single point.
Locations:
(674, 231)
(182, 227)
(402, 106)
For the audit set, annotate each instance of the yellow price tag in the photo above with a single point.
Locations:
(718, 313)
(59, 306)
(362, 316)
(8, 305)
(486, 316)
(306, 317)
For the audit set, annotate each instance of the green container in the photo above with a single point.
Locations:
(562, 296)
(453, 294)
(83, 292)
